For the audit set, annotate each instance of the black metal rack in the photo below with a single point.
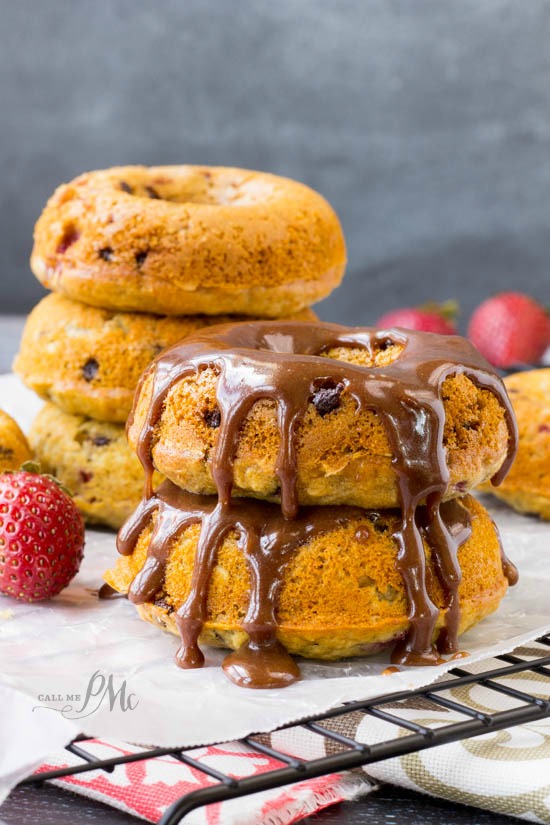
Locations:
(351, 753)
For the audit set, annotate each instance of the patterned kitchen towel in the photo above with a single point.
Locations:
(147, 788)
(506, 771)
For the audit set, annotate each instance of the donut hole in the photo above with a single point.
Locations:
(382, 353)
(200, 186)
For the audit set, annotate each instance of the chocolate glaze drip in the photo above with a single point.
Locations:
(108, 592)
(268, 541)
(283, 361)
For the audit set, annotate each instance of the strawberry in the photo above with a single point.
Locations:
(41, 535)
(428, 318)
(510, 329)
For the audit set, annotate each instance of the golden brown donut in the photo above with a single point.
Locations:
(180, 240)
(343, 455)
(14, 447)
(88, 360)
(526, 488)
(342, 594)
(92, 460)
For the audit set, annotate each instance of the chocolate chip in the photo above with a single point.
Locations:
(70, 236)
(106, 253)
(212, 418)
(89, 370)
(100, 440)
(327, 399)
(164, 604)
(385, 344)
(126, 187)
(85, 475)
(378, 522)
(141, 256)
(5, 452)
(152, 192)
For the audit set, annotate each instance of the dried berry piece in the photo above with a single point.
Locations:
(90, 369)
(100, 440)
(327, 399)
(126, 187)
(106, 253)
(213, 418)
(141, 256)
(70, 236)
(85, 476)
(152, 192)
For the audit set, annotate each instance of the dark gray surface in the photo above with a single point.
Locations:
(426, 124)
(387, 806)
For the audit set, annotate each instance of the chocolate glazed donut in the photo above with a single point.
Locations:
(284, 362)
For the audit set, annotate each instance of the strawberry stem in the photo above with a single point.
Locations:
(449, 310)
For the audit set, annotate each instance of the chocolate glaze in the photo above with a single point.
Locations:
(283, 361)
(268, 541)
(108, 592)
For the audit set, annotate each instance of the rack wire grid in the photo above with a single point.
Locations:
(351, 753)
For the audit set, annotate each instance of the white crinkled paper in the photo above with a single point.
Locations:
(51, 651)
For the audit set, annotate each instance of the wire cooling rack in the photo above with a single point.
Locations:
(351, 753)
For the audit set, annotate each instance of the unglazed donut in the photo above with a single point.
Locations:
(341, 592)
(88, 360)
(342, 448)
(181, 240)
(527, 486)
(92, 460)
(14, 447)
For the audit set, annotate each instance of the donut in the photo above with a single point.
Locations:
(92, 460)
(340, 591)
(88, 360)
(402, 379)
(180, 240)
(226, 406)
(526, 488)
(14, 447)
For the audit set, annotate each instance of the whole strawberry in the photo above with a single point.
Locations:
(429, 318)
(510, 329)
(41, 535)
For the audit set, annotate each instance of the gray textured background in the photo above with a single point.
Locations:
(425, 123)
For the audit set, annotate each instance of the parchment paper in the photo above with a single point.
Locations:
(51, 651)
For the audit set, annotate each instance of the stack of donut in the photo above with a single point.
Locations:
(138, 258)
(316, 495)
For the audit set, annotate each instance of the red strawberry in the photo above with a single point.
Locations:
(510, 329)
(41, 535)
(429, 318)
